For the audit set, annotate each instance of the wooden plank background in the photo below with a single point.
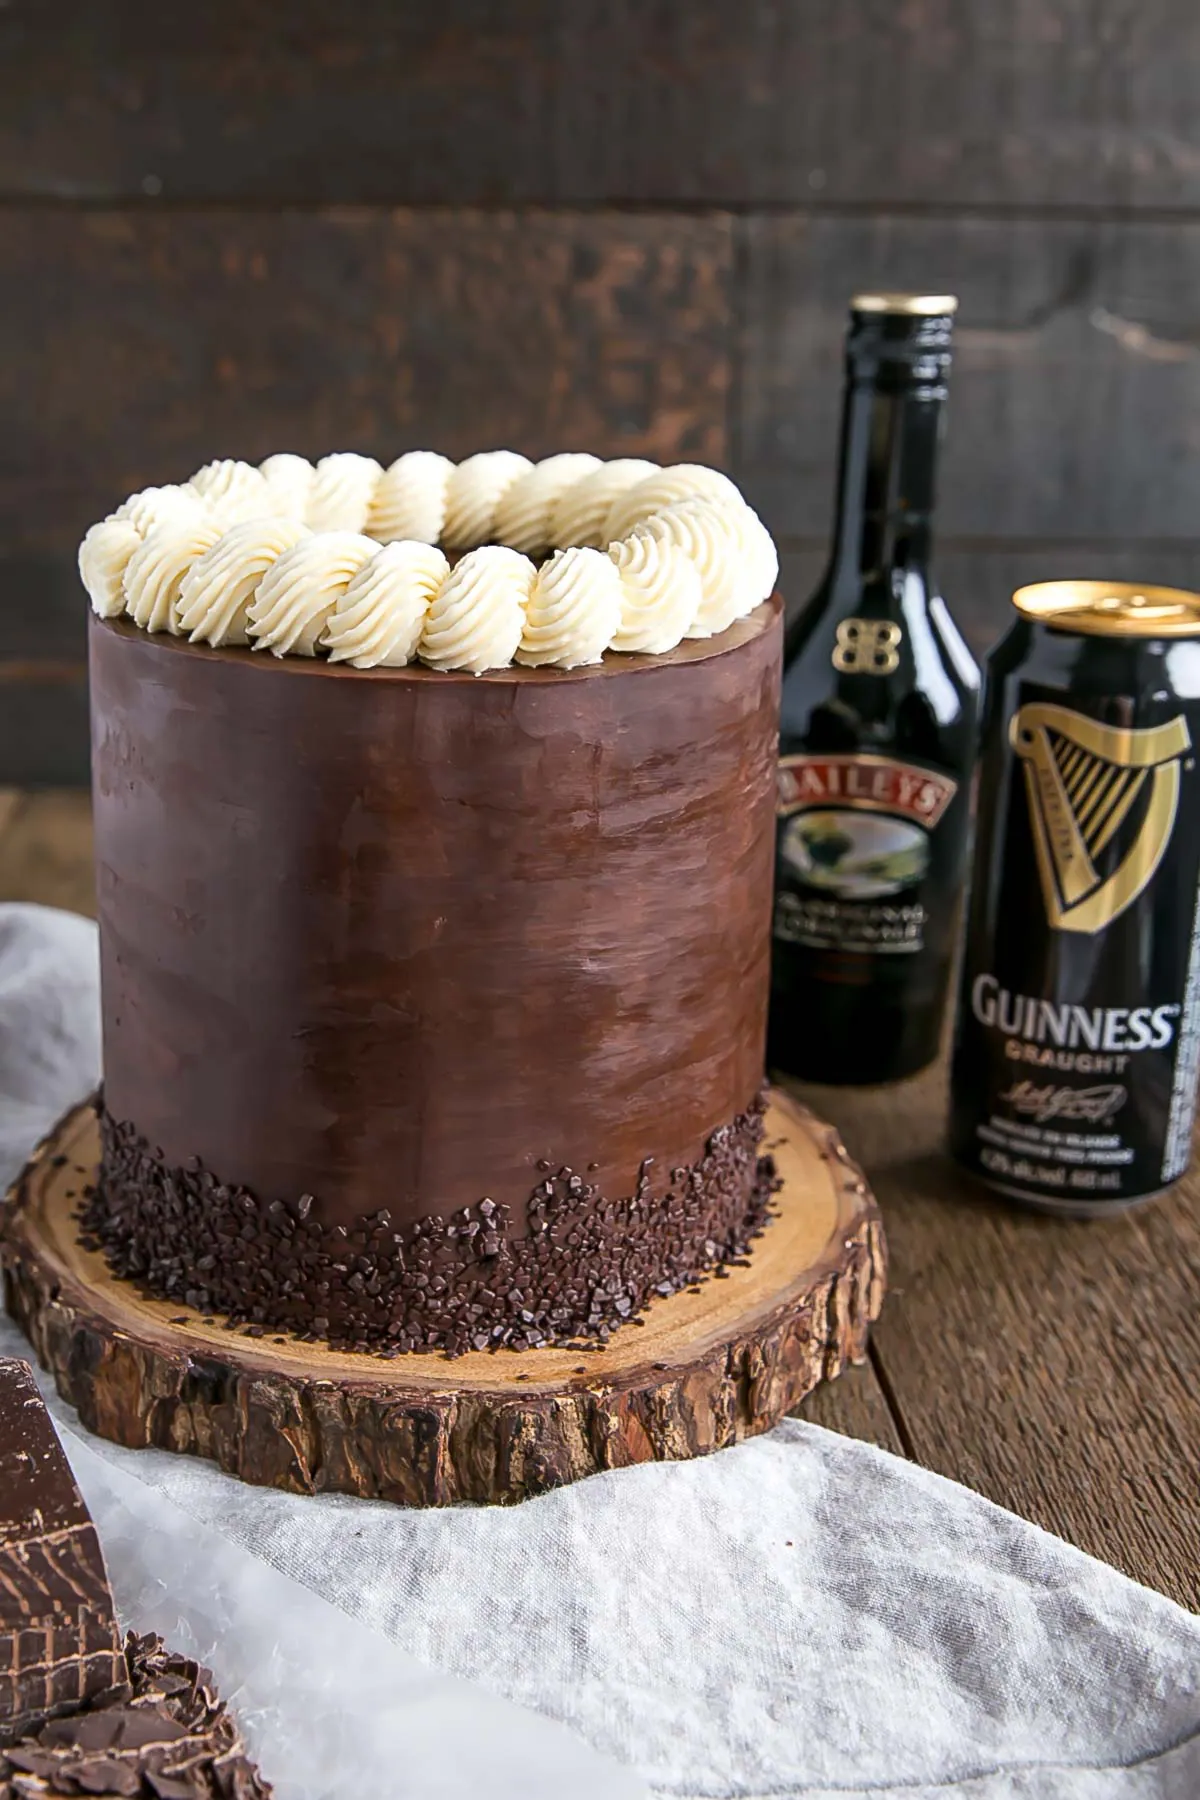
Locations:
(621, 225)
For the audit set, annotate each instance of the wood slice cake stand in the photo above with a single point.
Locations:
(707, 1367)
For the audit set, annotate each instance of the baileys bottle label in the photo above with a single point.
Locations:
(854, 851)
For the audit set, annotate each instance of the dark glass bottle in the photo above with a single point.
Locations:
(877, 734)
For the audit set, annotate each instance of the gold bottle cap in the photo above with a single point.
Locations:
(1111, 608)
(918, 306)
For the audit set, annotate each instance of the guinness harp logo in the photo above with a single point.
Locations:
(1084, 779)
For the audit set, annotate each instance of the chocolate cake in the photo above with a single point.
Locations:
(59, 1645)
(78, 1714)
(434, 1001)
(166, 1736)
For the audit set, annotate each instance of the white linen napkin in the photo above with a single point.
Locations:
(802, 1616)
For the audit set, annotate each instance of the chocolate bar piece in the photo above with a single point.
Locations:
(60, 1649)
(172, 1740)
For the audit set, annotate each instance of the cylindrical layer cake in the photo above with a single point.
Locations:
(434, 1005)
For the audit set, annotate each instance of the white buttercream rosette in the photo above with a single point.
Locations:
(344, 558)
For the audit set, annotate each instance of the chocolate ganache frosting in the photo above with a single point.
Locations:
(434, 1005)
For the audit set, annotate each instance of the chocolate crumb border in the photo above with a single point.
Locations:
(585, 1265)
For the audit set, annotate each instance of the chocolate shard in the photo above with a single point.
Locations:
(168, 1737)
(60, 1649)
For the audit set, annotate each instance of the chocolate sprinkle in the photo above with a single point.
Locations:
(586, 1264)
(171, 1739)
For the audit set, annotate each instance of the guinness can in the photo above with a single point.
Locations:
(1074, 1077)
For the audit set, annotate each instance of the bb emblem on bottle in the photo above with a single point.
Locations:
(867, 647)
(1078, 1043)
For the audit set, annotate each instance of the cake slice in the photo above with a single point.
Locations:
(173, 1739)
(80, 1712)
(60, 1649)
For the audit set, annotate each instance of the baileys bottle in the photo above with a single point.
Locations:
(877, 734)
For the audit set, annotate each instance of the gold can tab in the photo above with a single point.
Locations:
(913, 306)
(1111, 608)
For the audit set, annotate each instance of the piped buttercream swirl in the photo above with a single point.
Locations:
(524, 511)
(155, 573)
(473, 493)
(478, 614)
(290, 480)
(758, 560)
(299, 592)
(661, 594)
(169, 505)
(705, 535)
(378, 620)
(762, 558)
(103, 558)
(410, 498)
(185, 558)
(578, 515)
(232, 491)
(679, 481)
(217, 591)
(574, 608)
(342, 491)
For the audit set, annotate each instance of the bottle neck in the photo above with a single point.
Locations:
(887, 465)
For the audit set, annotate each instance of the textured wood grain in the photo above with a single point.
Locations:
(1067, 102)
(1076, 382)
(43, 610)
(138, 345)
(43, 647)
(1048, 1364)
(705, 1368)
(43, 724)
(855, 1405)
(46, 849)
(160, 307)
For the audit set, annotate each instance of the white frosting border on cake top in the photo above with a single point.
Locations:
(342, 559)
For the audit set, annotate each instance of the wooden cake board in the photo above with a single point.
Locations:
(708, 1366)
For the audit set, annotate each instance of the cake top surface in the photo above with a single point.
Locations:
(463, 568)
(321, 667)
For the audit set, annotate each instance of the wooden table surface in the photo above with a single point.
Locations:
(1053, 1366)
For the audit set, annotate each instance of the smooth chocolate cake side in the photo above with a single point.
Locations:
(414, 968)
